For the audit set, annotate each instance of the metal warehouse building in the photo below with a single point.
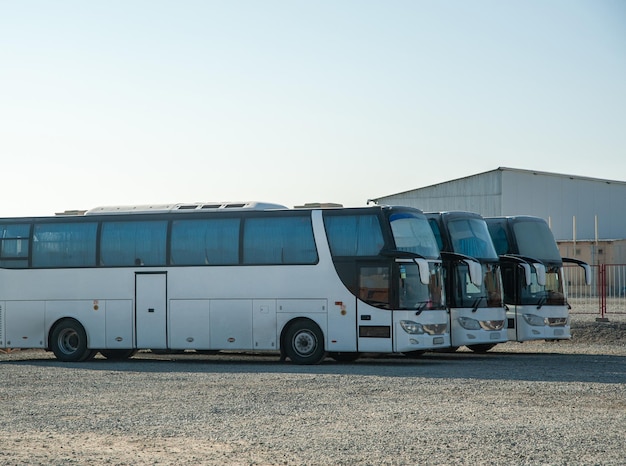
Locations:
(576, 207)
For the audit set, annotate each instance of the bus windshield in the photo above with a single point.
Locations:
(467, 294)
(552, 293)
(470, 236)
(413, 234)
(414, 294)
(534, 239)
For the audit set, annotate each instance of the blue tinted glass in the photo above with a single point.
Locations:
(470, 236)
(64, 245)
(412, 233)
(14, 244)
(205, 242)
(354, 235)
(499, 238)
(279, 240)
(133, 243)
(434, 226)
(534, 239)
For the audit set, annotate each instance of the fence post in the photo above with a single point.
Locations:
(602, 291)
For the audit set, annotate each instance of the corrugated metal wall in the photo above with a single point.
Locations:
(555, 197)
(561, 198)
(478, 193)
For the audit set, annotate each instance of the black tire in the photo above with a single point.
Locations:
(481, 348)
(118, 354)
(304, 343)
(345, 356)
(68, 341)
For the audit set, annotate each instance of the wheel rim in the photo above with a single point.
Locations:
(304, 343)
(68, 341)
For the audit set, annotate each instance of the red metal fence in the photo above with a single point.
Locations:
(605, 296)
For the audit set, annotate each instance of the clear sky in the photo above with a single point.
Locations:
(153, 101)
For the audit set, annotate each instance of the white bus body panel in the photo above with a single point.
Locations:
(119, 323)
(25, 324)
(460, 336)
(525, 332)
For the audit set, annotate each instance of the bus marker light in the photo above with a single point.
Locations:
(231, 340)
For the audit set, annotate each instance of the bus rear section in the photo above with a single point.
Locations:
(535, 293)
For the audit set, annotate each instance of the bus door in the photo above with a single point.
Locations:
(151, 310)
(374, 315)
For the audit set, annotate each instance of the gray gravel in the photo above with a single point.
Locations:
(531, 403)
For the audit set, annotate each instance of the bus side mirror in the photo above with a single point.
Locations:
(587, 269)
(475, 272)
(424, 270)
(541, 273)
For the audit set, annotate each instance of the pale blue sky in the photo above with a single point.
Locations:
(147, 101)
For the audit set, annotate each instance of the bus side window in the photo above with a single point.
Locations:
(124, 243)
(205, 242)
(374, 286)
(14, 245)
(278, 240)
(64, 244)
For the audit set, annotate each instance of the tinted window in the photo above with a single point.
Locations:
(354, 235)
(470, 236)
(279, 240)
(205, 242)
(64, 245)
(413, 234)
(434, 226)
(14, 245)
(534, 239)
(498, 236)
(133, 243)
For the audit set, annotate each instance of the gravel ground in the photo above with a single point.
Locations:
(530, 403)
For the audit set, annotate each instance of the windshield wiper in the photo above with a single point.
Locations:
(477, 303)
(541, 302)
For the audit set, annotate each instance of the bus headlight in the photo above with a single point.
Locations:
(411, 327)
(435, 329)
(469, 324)
(534, 320)
(492, 324)
(557, 321)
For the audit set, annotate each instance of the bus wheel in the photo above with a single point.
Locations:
(345, 356)
(304, 343)
(68, 341)
(118, 354)
(481, 348)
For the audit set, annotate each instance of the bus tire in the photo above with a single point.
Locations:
(481, 348)
(304, 342)
(118, 354)
(68, 341)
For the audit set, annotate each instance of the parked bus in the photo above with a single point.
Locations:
(473, 280)
(535, 293)
(240, 277)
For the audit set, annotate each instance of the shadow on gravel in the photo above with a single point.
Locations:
(535, 367)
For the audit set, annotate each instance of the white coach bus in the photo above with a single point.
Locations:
(473, 280)
(535, 293)
(240, 277)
